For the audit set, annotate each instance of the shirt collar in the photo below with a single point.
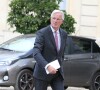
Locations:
(53, 29)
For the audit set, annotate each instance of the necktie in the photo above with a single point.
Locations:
(56, 40)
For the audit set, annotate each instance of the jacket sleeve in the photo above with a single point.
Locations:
(38, 47)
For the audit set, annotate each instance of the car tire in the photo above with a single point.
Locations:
(95, 83)
(24, 80)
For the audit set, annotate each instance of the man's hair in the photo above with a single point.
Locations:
(58, 11)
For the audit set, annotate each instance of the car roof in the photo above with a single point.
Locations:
(82, 37)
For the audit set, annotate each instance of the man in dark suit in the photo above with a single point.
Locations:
(47, 49)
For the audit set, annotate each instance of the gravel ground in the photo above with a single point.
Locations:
(70, 88)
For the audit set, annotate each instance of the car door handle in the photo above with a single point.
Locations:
(66, 59)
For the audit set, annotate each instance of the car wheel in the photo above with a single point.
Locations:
(24, 80)
(95, 84)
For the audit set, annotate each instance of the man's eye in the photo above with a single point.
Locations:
(56, 19)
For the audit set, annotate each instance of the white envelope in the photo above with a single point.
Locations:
(54, 64)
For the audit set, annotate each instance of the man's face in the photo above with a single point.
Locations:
(56, 20)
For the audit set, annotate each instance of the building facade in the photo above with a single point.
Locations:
(85, 12)
(5, 31)
(87, 16)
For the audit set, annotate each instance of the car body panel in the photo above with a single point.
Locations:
(81, 60)
(81, 68)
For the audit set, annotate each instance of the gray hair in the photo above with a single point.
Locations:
(58, 11)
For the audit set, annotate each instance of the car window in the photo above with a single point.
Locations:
(87, 46)
(73, 46)
(79, 45)
(84, 45)
(22, 44)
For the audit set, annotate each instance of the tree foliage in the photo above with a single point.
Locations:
(28, 16)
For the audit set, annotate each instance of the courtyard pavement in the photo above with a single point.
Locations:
(70, 88)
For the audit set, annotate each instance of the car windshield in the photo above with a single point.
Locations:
(21, 44)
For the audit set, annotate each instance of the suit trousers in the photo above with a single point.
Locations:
(57, 83)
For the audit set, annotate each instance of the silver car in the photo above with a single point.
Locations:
(15, 70)
(81, 63)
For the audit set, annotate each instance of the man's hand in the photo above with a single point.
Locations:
(52, 70)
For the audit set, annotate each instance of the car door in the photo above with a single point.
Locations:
(80, 68)
(81, 62)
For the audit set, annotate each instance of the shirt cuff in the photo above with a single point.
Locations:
(46, 66)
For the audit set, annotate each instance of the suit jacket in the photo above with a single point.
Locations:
(45, 51)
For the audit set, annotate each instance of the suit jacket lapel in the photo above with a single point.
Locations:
(50, 34)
